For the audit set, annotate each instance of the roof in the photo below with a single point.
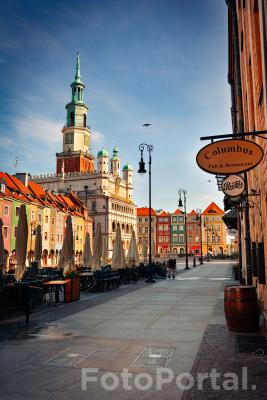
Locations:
(36, 194)
(102, 153)
(144, 212)
(177, 212)
(128, 167)
(213, 209)
(192, 213)
(163, 214)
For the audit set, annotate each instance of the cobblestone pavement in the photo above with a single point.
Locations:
(229, 352)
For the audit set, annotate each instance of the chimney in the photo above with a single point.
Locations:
(23, 177)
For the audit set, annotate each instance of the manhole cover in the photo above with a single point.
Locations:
(71, 356)
(154, 357)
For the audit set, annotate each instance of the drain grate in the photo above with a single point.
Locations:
(154, 357)
(71, 356)
(250, 344)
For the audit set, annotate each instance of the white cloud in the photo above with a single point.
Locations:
(40, 128)
(97, 138)
(6, 143)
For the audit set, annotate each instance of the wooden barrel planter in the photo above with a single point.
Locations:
(241, 308)
(72, 290)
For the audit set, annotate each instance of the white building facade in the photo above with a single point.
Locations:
(107, 191)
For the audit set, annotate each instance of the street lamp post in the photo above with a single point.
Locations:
(207, 241)
(199, 217)
(142, 170)
(180, 204)
(33, 233)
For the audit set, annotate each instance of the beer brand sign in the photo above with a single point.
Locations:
(233, 185)
(231, 156)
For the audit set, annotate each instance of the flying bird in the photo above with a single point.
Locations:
(146, 125)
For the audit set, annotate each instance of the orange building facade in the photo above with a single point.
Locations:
(247, 77)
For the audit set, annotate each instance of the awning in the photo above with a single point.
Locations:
(230, 219)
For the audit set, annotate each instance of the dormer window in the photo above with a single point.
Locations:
(3, 186)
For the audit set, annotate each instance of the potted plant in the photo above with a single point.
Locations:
(72, 287)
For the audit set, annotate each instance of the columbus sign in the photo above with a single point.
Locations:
(227, 157)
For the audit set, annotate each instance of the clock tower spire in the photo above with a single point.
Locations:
(76, 134)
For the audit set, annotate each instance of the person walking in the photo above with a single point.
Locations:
(171, 268)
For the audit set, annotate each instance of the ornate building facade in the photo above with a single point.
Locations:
(107, 190)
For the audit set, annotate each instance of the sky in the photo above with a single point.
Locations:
(158, 61)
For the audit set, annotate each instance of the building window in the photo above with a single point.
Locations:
(72, 119)
(166, 228)
(5, 232)
(69, 138)
(40, 217)
(174, 219)
(181, 238)
(84, 120)
(93, 206)
(15, 231)
(160, 227)
(45, 236)
(86, 140)
(166, 220)
(52, 238)
(146, 230)
(52, 221)
(175, 237)
(140, 229)
(146, 219)
(6, 210)
(139, 219)
(174, 228)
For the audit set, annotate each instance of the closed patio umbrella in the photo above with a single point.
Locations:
(97, 247)
(104, 259)
(144, 248)
(38, 246)
(2, 249)
(21, 243)
(118, 256)
(133, 257)
(67, 253)
(87, 252)
(153, 248)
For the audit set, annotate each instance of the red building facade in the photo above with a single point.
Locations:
(163, 236)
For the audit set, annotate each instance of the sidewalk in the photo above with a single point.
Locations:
(177, 324)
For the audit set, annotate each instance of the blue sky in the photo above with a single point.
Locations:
(157, 61)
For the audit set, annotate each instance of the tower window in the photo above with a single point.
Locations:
(72, 119)
(69, 138)
(84, 119)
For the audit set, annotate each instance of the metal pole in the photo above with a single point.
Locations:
(186, 252)
(201, 243)
(150, 230)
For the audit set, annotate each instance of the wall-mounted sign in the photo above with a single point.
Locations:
(233, 185)
(231, 156)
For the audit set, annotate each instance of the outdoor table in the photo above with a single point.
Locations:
(57, 285)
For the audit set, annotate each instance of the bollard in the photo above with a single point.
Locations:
(194, 262)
